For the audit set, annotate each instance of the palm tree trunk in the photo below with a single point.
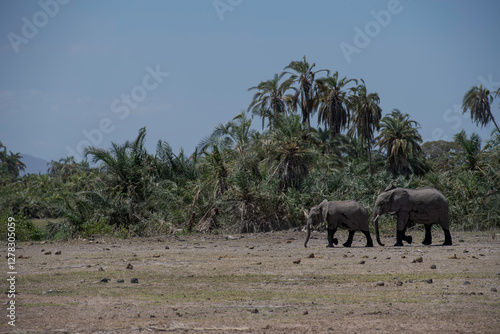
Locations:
(493, 119)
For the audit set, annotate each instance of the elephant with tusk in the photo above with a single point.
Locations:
(426, 206)
(348, 215)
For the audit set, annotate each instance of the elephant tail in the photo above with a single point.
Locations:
(377, 234)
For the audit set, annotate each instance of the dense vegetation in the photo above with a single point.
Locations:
(246, 180)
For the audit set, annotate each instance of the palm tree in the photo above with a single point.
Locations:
(271, 98)
(471, 146)
(333, 105)
(478, 100)
(288, 151)
(400, 138)
(367, 114)
(305, 95)
(12, 162)
(128, 165)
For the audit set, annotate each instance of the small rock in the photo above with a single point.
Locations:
(403, 257)
(166, 247)
(362, 262)
(255, 311)
(47, 253)
(429, 281)
(466, 251)
(454, 257)
(433, 266)
(380, 283)
(105, 280)
(493, 290)
(58, 252)
(311, 256)
(100, 269)
(297, 262)
(466, 283)
(364, 257)
(418, 260)
(120, 281)
(289, 241)
(305, 313)
(399, 283)
(134, 280)
(130, 266)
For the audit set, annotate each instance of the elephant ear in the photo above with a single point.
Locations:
(399, 200)
(324, 209)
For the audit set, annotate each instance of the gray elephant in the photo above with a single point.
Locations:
(349, 215)
(426, 206)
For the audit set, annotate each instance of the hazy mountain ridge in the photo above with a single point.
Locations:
(34, 165)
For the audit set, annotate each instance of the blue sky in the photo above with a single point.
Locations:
(79, 72)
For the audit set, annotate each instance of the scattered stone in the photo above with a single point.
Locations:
(433, 266)
(345, 255)
(134, 280)
(364, 257)
(156, 255)
(362, 262)
(305, 313)
(466, 251)
(418, 260)
(100, 269)
(403, 257)
(297, 262)
(466, 283)
(47, 253)
(380, 283)
(454, 257)
(311, 256)
(399, 283)
(105, 280)
(58, 252)
(289, 241)
(429, 281)
(255, 311)
(251, 247)
(130, 266)
(166, 247)
(494, 290)
(461, 240)
(120, 281)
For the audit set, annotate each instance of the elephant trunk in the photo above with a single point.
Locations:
(377, 234)
(308, 234)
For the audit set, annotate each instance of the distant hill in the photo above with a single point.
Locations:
(34, 165)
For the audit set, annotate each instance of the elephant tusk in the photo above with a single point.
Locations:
(376, 218)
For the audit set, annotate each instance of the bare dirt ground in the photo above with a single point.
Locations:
(261, 283)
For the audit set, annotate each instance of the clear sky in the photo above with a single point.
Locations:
(79, 72)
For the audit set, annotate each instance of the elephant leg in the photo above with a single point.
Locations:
(447, 238)
(400, 235)
(331, 239)
(369, 241)
(428, 236)
(348, 243)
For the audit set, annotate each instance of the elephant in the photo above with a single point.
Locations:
(426, 206)
(349, 215)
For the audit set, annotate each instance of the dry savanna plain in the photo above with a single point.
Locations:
(257, 283)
